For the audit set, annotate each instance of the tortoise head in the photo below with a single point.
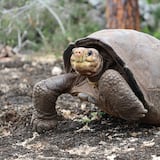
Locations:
(86, 61)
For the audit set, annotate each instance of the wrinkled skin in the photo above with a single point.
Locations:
(110, 91)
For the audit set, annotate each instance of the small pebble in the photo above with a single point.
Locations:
(56, 71)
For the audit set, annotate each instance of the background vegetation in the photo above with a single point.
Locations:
(50, 25)
(153, 29)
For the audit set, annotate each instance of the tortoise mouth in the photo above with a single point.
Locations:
(85, 68)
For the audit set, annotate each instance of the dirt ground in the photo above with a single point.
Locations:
(84, 133)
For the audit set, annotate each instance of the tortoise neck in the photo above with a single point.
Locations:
(95, 77)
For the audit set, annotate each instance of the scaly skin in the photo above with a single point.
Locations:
(117, 98)
(45, 94)
(113, 94)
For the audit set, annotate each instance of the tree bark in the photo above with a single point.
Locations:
(123, 14)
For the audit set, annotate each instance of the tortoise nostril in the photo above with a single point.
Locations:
(78, 53)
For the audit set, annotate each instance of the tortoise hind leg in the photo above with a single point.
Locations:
(117, 98)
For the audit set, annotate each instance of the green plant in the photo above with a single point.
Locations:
(154, 30)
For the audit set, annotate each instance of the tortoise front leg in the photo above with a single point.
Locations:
(117, 98)
(45, 94)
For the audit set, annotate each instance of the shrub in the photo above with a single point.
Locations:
(49, 24)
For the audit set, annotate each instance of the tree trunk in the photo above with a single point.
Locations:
(123, 14)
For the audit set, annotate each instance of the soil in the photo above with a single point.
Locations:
(84, 133)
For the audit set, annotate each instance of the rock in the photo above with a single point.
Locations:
(148, 143)
(56, 71)
(6, 51)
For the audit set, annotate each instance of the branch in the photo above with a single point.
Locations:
(54, 14)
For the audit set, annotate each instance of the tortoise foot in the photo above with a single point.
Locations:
(41, 125)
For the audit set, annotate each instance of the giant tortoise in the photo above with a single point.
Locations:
(117, 69)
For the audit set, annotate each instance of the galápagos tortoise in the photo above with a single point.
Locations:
(117, 69)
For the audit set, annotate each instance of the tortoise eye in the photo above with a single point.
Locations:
(90, 53)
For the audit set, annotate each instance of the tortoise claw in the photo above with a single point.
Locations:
(135, 115)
